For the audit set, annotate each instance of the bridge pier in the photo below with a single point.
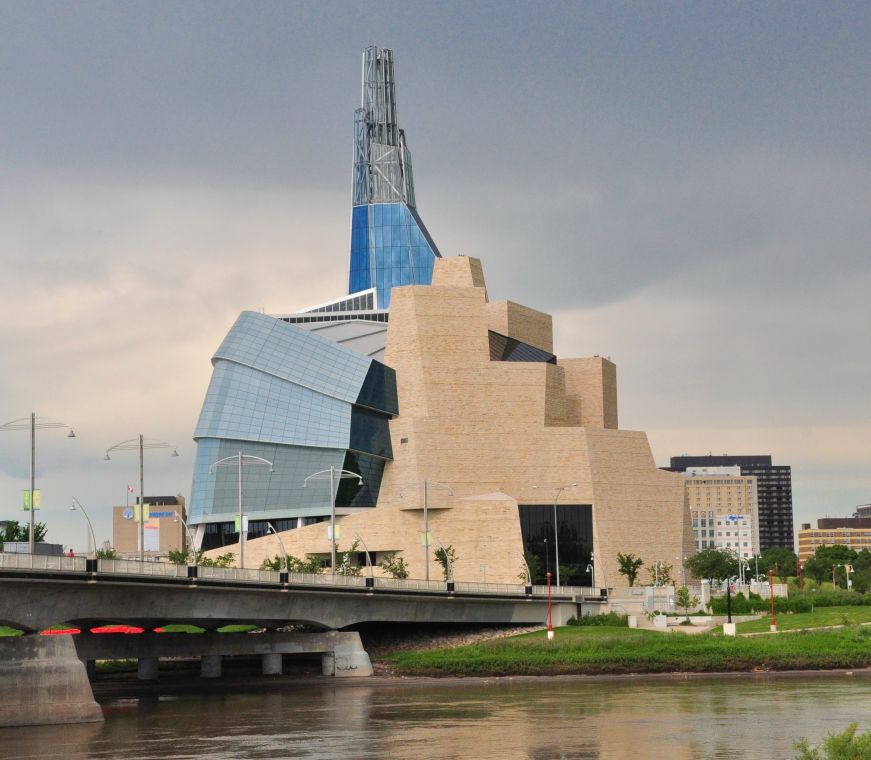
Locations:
(44, 682)
(210, 666)
(147, 668)
(271, 664)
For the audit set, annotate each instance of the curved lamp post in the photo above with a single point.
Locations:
(140, 444)
(427, 484)
(359, 538)
(33, 423)
(239, 459)
(187, 529)
(270, 526)
(334, 475)
(85, 513)
(557, 493)
(449, 567)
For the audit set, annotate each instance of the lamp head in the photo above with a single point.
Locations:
(72, 507)
(71, 434)
(107, 457)
(174, 453)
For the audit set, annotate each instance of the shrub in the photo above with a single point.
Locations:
(609, 619)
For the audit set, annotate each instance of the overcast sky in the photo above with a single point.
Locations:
(685, 187)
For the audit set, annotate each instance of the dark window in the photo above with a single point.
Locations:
(370, 433)
(575, 542)
(505, 349)
(379, 389)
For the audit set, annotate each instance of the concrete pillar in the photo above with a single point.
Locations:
(347, 659)
(147, 668)
(272, 664)
(43, 682)
(210, 666)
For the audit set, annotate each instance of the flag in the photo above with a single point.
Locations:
(129, 489)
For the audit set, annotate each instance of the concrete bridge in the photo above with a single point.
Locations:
(39, 592)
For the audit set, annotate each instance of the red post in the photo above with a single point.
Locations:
(771, 586)
(549, 611)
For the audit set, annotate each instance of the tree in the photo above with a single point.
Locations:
(819, 567)
(395, 566)
(533, 562)
(660, 573)
(713, 564)
(345, 567)
(223, 560)
(107, 553)
(14, 531)
(629, 566)
(311, 565)
(780, 559)
(447, 558)
(683, 600)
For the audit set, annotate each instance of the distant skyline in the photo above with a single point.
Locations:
(685, 188)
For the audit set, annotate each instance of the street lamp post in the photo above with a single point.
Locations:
(33, 424)
(549, 611)
(557, 492)
(90, 526)
(427, 484)
(239, 460)
(334, 474)
(270, 526)
(140, 444)
(359, 538)
(187, 528)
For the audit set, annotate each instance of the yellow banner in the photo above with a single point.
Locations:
(37, 499)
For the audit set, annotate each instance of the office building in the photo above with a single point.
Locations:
(723, 509)
(852, 532)
(163, 530)
(773, 492)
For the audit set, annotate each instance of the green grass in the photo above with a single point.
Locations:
(821, 616)
(602, 650)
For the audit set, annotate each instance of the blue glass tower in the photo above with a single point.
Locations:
(389, 243)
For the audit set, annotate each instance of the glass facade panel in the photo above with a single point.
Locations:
(575, 542)
(379, 390)
(389, 247)
(370, 433)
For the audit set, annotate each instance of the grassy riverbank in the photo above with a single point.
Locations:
(820, 617)
(603, 650)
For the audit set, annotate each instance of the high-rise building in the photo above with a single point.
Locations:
(723, 509)
(773, 492)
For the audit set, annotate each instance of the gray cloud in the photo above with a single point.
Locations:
(687, 189)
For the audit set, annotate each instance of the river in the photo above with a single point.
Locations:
(539, 719)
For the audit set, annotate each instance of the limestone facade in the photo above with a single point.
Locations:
(499, 434)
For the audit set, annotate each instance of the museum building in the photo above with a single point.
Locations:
(416, 376)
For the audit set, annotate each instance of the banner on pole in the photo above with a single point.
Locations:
(141, 513)
(244, 523)
(37, 499)
(330, 533)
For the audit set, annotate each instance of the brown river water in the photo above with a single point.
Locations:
(538, 719)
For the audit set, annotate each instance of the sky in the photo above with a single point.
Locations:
(685, 187)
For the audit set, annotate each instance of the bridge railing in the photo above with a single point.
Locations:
(236, 574)
(135, 567)
(42, 562)
(409, 584)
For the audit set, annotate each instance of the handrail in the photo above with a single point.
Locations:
(133, 568)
